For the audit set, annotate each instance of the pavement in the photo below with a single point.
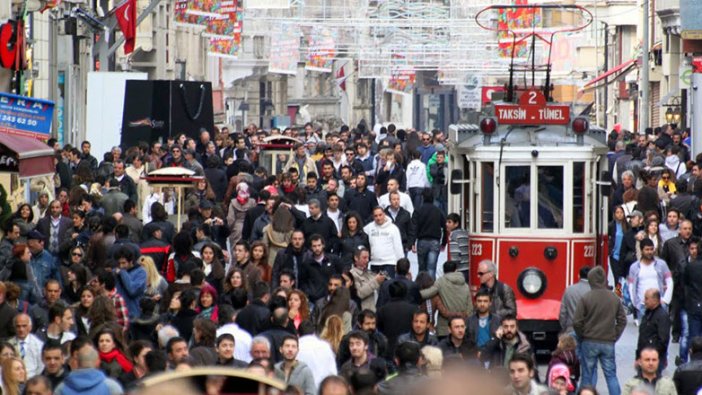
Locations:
(625, 348)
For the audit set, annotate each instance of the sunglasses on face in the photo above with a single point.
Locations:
(77, 254)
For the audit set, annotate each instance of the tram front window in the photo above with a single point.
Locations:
(518, 198)
(550, 197)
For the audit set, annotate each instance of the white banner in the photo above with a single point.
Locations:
(469, 93)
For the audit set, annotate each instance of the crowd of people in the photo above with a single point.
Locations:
(303, 274)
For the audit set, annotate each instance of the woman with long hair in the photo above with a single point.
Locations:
(213, 268)
(235, 279)
(20, 275)
(113, 359)
(181, 257)
(333, 332)
(183, 319)
(202, 191)
(338, 305)
(298, 307)
(14, 376)
(101, 315)
(352, 236)
(156, 285)
(617, 229)
(24, 218)
(77, 278)
(80, 311)
(277, 234)
(259, 258)
(7, 351)
(651, 231)
(207, 306)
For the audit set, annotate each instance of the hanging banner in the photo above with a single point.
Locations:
(285, 49)
(321, 49)
(26, 116)
(225, 48)
(402, 80)
(517, 20)
(225, 33)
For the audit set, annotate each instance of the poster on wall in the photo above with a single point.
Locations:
(26, 116)
(321, 49)
(469, 92)
(285, 49)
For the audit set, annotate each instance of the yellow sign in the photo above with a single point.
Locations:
(691, 34)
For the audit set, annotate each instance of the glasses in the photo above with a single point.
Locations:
(480, 274)
(77, 254)
(349, 154)
(426, 139)
(665, 177)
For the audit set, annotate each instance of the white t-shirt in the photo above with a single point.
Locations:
(648, 278)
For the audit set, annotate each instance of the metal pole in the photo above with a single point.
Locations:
(644, 105)
(606, 67)
(696, 113)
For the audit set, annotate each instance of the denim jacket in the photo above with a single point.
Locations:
(664, 275)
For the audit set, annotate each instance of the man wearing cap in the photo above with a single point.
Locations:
(44, 265)
(301, 161)
(175, 159)
(192, 163)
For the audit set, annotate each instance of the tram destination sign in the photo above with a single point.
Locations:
(532, 110)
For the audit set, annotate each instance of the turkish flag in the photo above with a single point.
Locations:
(127, 19)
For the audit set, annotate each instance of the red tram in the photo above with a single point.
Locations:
(525, 182)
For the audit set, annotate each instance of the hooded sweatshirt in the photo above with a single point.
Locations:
(598, 310)
(455, 294)
(385, 243)
(673, 163)
(88, 382)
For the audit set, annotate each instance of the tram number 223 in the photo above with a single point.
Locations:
(589, 252)
(476, 249)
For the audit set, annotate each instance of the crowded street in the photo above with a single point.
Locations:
(350, 197)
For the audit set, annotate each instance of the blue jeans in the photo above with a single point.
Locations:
(684, 335)
(604, 353)
(579, 354)
(694, 322)
(416, 196)
(427, 255)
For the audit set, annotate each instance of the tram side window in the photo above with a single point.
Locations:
(578, 197)
(487, 196)
(550, 197)
(518, 198)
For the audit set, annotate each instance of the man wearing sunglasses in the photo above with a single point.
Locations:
(502, 296)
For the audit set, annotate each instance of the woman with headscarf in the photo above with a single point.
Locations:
(237, 211)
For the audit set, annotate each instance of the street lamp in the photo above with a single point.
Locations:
(672, 113)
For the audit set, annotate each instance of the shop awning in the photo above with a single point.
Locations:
(26, 155)
(618, 70)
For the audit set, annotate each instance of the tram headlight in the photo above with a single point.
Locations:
(580, 125)
(532, 282)
(488, 126)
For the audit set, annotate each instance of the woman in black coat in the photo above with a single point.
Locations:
(352, 236)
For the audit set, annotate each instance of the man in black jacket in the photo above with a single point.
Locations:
(360, 199)
(319, 224)
(291, 258)
(627, 254)
(693, 299)
(458, 342)
(253, 213)
(654, 330)
(403, 276)
(675, 253)
(278, 331)
(430, 223)
(317, 269)
(420, 331)
(688, 377)
(402, 219)
(255, 317)
(54, 226)
(395, 318)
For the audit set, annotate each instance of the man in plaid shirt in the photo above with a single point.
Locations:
(107, 285)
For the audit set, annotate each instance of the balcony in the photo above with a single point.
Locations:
(669, 12)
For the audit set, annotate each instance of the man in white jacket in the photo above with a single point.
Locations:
(416, 178)
(385, 243)
(405, 199)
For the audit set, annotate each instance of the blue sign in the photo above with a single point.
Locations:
(26, 116)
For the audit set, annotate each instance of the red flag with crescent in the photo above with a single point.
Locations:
(126, 14)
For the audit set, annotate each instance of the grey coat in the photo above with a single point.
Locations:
(569, 303)
(300, 376)
(455, 294)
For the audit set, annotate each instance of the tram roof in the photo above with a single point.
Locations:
(468, 137)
